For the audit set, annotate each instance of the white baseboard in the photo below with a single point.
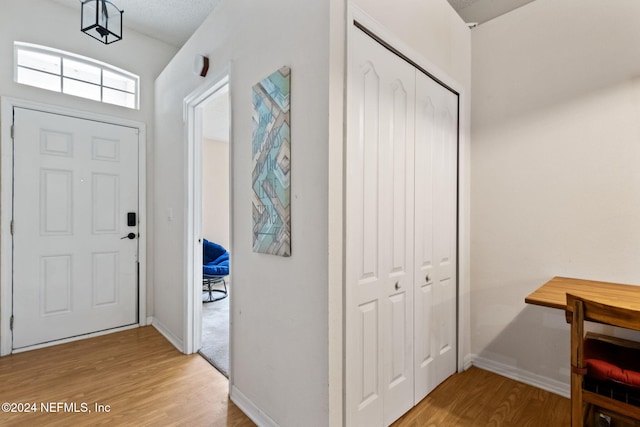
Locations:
(177, 342)
(251, 410)
(523, 376)
(467, 362)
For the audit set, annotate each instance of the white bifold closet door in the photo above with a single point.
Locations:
(400, 268)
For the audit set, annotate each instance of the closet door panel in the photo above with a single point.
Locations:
(379, 270)
(363, 344)
(445, 229)
(425, 134)
(435, 234)
(397, 249)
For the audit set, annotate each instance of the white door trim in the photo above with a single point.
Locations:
(193, 210)
(6, 207)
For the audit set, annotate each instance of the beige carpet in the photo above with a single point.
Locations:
(215, 334)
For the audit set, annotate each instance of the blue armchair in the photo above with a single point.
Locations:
(215, 267)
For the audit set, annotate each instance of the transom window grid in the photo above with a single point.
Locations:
(71, 74)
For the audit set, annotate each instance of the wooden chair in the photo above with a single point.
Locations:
(597, 378)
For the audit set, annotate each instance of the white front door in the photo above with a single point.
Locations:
(75, 271)
(436, 142)
(379, 272)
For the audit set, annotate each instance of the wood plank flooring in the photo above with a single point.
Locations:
(140, 375)
(480, 398)
(147, 382)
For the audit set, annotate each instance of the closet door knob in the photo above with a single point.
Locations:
(426, 279)
(397, 285)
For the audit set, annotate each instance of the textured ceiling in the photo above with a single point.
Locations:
(172, 21)
(479, 11)
(461, 4)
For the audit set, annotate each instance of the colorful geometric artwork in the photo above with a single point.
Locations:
(271, 155)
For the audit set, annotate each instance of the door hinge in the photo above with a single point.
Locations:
(11, 322)
(12, 131)
(12, 227)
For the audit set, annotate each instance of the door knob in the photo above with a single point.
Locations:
(397, 285)
(129, 236)
(426, 279)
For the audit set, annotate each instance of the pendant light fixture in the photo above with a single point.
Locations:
(102, 20)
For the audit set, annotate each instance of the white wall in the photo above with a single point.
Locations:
(215, 191)
(279, 306)
(47, 23)
(555, 177)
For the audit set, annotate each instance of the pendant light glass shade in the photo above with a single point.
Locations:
(102, 20)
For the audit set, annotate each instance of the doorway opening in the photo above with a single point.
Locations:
(209, 223)
(215, 230)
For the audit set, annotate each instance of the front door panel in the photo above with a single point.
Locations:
(75, 180)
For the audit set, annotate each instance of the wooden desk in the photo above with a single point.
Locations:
(554, 293)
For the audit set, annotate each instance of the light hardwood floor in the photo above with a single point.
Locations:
(147, 382)
(140, 375)
(480, 398)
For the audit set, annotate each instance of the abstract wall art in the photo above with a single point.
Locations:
(271, 155)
